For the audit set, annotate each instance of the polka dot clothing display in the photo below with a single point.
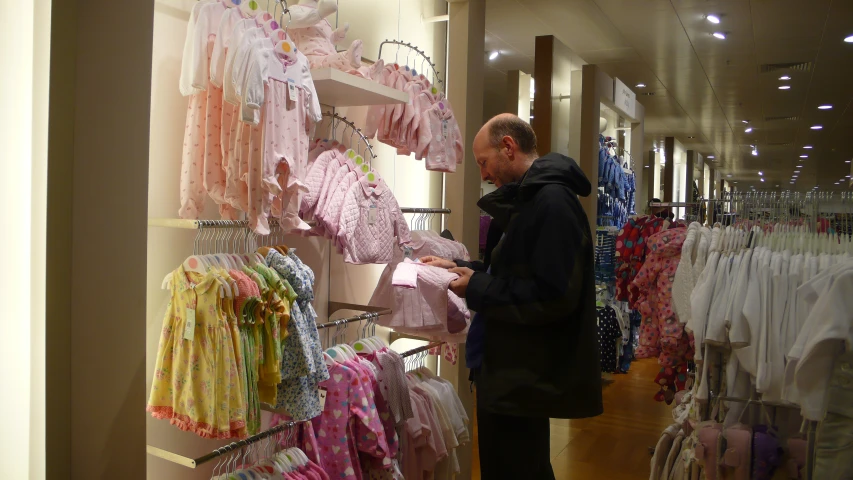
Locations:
(608, 333)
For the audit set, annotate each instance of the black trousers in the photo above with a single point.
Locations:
(513, 447)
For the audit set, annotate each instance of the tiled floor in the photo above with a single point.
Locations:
(616, 444)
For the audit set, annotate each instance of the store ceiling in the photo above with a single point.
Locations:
(703, 87)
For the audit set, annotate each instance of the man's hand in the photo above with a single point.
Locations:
(438, 262)
(460, 285)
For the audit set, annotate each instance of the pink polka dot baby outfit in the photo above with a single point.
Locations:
(349, 424)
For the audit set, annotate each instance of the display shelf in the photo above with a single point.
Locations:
(340, 89)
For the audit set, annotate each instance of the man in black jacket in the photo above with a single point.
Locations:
(532, 346)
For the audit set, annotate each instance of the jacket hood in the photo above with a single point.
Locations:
(553, 168)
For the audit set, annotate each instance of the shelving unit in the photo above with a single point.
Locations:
(340, 89)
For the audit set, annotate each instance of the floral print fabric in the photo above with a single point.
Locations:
(661, 334)
(196, 379)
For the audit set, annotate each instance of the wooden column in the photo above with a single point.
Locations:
(701, 180)
(689, 164)
(712, 182)
(95, 366)
(543, 70)
(668, 180)
(467, 32)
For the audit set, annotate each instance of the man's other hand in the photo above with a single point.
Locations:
(460, 285)
(438, 262)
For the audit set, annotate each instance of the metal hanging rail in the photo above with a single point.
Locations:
(357, 318)
(337, 118)
(425, 58)
(425, 348)
(750, 401)
(443, 211)
(195, 462)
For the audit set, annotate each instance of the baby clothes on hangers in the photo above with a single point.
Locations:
(425, 301)
(348, 425)
(193, 328)
(370, 219)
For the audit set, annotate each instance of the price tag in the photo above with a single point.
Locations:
(291, 87)
(322, 392)
(189, 326)
(371, 214)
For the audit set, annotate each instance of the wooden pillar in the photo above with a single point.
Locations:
(95, 366)
(712, 182)
(467, 30)
(641, 196)
(701, 181)
(689, 164)
(543, 70)
(668, 180)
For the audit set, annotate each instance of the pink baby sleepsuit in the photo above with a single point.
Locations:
(291, 109)
(195, 134)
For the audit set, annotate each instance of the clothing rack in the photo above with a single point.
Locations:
(409, 353)
(425, 58)
(750, 401)
(357, 318)
(442, 211)
(337, 118)
(195, 462)
(196, 224)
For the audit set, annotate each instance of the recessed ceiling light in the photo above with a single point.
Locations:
(748, 130)
(762, 179)
(804, 156)
(641, 85)
(799, 166)
(711, 157)
(712, 18)
(849, 39)
(846, 161)
(784, 77)
(744, 121)
(784, 87)
(494, 55)
(817, 127)
(691, 137)
(848, 176)
(720, 35)
(808, 147)
(754, 152)
(760, 172)
(824, 107)
(729, 175)
(796, 171)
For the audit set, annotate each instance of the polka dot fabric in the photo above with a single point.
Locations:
(661, 334)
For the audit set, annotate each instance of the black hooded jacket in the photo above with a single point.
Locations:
(538, 303)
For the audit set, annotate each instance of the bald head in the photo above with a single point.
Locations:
(504, 149)
(509, 125)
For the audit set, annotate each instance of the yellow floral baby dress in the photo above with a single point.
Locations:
(196, 381)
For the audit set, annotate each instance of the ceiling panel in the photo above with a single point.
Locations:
(705, 87)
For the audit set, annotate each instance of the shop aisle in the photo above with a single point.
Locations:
(616, 444)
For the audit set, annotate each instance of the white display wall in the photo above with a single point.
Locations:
(167, 248)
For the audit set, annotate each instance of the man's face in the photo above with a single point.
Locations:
(493, 162)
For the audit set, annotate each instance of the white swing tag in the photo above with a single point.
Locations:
(322, 392)
(291, 88)
(371, 214)
(444, 128)
(189, 326)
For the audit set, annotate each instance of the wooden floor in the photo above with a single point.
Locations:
(616, 444)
